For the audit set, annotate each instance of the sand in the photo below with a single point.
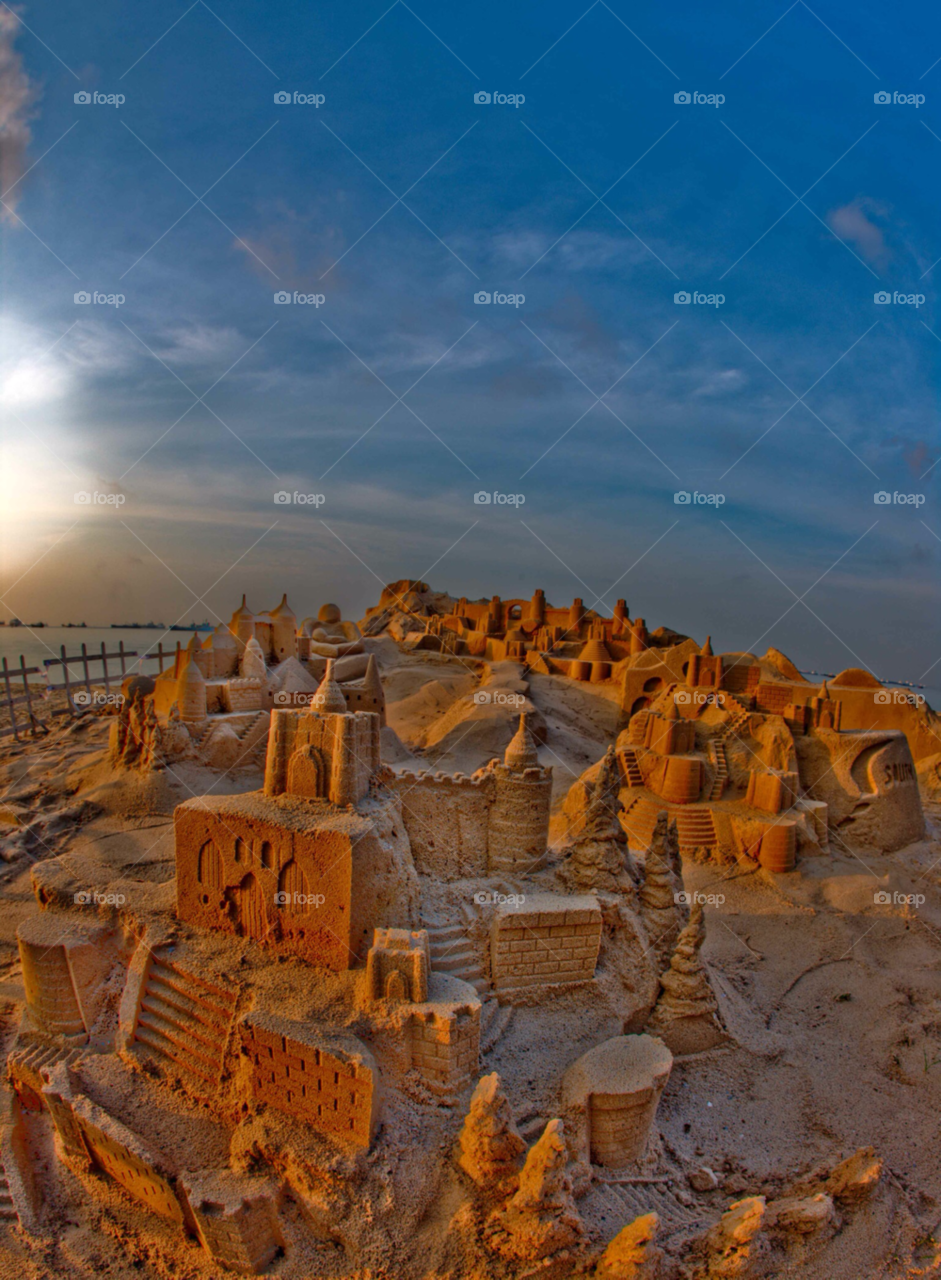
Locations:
(832, 1001)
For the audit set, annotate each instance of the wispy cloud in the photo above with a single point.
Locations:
(17, 94)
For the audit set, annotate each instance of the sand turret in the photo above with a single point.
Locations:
(252, 665)
(329, 699)
(242, 625)
(283, 632)
(191, 687)
(521, 753)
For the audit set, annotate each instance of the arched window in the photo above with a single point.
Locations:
(241, 851)
(293, 889)
(267, 857)
(209, 866)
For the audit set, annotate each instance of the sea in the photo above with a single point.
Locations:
(38, 644)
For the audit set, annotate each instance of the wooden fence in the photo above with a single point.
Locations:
(93, 667)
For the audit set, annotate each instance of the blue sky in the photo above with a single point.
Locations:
(397, 199)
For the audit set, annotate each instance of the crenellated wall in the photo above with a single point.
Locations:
(495, 821)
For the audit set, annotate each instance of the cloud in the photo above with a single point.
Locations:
(852, 222)
(16, 96)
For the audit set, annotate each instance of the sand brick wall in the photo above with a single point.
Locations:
(549, 941)
(446, 1048)
(334, 1089)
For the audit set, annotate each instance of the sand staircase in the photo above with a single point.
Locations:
(27, 1062)
(7, 1208)
(721, 764)
(694, 824)
(739, 716)
(241, 725)
(531, 1125)
(694, 827)
(620, 1203)
(185, 1020)
(631, 767)
(495, 1019)
(639, 820)
(635, 732)
(453, 952)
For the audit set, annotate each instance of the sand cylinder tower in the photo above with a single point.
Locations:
(283, 632)
(518, 830)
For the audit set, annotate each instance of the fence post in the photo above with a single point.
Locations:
(6, 680)
(121, 655)
(29, 701)
(65, 677)
(85, 670)
(104, 663)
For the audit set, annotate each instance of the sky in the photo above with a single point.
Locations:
(586, 169)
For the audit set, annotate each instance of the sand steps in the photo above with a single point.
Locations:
(453, 952)
(495, 1019)
(640, 819)
(7, 1208)
(27, 1062)
(731, 727)
(695, 827)
(618, 1204)
(694, 824)
(531, 1126)
(631, 767)
(185, 1020)
(721, 764)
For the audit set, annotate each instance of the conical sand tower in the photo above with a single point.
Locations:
(685, 1016)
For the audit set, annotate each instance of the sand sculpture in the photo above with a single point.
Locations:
(289, 1003)
(213, 702)
(368, 992)
(750, 758)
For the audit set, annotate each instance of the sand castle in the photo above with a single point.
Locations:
(213, 702)
(746, 755)
(367, 991)
(288, 1001)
